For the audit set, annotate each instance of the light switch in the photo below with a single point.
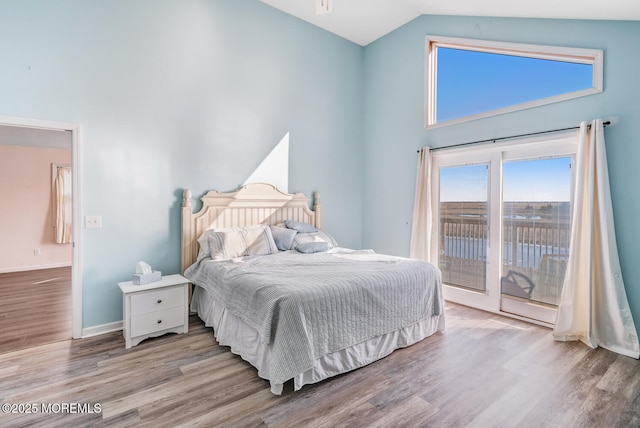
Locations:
(93, 222)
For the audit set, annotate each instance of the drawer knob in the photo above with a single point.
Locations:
(159, 300)
(159, 321)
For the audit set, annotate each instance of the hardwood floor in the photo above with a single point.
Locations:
(483, 371)
(35, 308)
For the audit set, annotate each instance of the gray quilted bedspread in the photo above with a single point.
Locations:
(308, 305)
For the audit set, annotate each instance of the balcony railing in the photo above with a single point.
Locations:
(535, 247)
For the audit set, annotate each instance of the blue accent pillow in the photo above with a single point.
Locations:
(283, 237)
(314, 247)
(300, 226)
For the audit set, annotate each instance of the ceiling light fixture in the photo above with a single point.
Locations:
(324, 6)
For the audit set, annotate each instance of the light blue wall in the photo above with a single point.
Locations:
(393, 121)
(174, 94)
(195, 93)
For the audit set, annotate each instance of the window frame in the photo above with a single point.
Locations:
(593, 57)
(562, 144)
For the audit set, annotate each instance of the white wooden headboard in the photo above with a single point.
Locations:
(257, 203)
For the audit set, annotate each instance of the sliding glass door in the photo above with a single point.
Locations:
(536, 207)
(504, 215)
(463, 226)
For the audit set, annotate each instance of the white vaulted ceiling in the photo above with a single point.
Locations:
(363, 21)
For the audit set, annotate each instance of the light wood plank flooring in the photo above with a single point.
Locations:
(35, 308)
(483, 371)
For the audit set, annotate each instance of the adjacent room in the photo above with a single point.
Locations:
(35, 252)
(319, 213)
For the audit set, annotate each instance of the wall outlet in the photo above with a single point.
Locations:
(93, 222)
(36, 251)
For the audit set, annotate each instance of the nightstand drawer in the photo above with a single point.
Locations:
(143, 303)
(157, 321)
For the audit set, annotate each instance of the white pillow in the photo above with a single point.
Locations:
(229, 243)
(259, 241)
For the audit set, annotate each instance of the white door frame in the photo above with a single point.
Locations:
(538, 147)
(76, 269)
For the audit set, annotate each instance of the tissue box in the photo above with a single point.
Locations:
(146, 278)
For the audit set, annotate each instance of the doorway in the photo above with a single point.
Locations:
(503, 227)
(58, 274)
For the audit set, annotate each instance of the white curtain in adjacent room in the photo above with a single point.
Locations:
(422, 217)
(593, 305)
(63, 205)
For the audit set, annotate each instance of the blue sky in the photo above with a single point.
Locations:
(544, 180)
(467, 183)
(474, 82)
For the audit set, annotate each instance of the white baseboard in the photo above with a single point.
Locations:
(101, 329)
(27, 268)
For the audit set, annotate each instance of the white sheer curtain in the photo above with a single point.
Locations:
(422, 217)
(593, 306)
(63, 205)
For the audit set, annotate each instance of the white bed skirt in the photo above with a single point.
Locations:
(244, 341)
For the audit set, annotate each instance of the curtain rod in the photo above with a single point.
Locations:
(493, 140)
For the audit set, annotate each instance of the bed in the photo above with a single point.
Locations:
(281, 293)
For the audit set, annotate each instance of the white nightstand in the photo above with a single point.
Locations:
(154, 309)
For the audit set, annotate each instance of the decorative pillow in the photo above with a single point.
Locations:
(314, 247)
(319, 236)
(223, 244)
(259, 241)
(300, 226)
(283, 237)
(226, 244)
(203, 242)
